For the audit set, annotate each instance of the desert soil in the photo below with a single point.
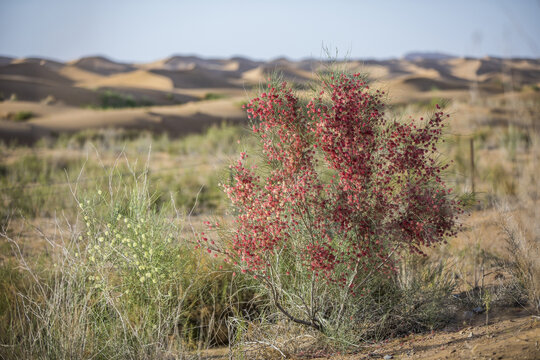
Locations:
(511, 334)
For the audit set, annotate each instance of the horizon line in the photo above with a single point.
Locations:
(419, 54)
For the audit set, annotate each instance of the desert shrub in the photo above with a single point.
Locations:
(124, 284)
(337, 196)
(110, 99)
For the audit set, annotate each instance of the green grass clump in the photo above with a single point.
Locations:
(109, 99)
(213, 96)
(22, 116)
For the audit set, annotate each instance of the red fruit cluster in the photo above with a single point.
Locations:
(345, 188)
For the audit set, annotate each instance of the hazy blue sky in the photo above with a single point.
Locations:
(135, 30)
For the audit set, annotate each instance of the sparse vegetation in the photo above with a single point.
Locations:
(120, 281)
(98, 258)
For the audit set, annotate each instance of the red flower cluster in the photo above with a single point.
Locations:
(344, 188)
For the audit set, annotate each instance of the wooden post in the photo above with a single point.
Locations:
(472, 164)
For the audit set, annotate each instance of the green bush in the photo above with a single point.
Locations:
(23, 115)
(110, 99)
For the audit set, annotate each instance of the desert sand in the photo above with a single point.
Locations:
(181, 94)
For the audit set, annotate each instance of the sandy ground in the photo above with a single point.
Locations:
(511, 334)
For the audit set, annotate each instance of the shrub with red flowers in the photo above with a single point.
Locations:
(338, 195)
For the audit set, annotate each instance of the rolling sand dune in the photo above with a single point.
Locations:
(33, 71)
(426, 69)
(375, 71)
(172, 89)
(101, 65)
(176, 120)
(489, 66)
(244, 64)
(225, 109)
(38, 90)
(464, 68)
(195, 78)
(78, 75)
(36, 108)
(173, 63)
(76, 119)
(184, 63)
(49, 64)
(136, 79)
(289, 73)
(194, 117)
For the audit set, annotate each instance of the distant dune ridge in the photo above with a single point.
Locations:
(180, 94)
(101, 65)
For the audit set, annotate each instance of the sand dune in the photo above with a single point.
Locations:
(28, 70)
(195, 78)
(464, 68)
(136, 79)
(162, 85)
(78, 75)
(39, 90)
(224, 109)
(396, 68)
(288, 72)
(101, 65)
(186, 63)
(244, 64)
(425, 69)
(49, 64)
(489, 65)
(176, 120)
(36, 108)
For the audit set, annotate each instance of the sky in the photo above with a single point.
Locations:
(143, 31)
